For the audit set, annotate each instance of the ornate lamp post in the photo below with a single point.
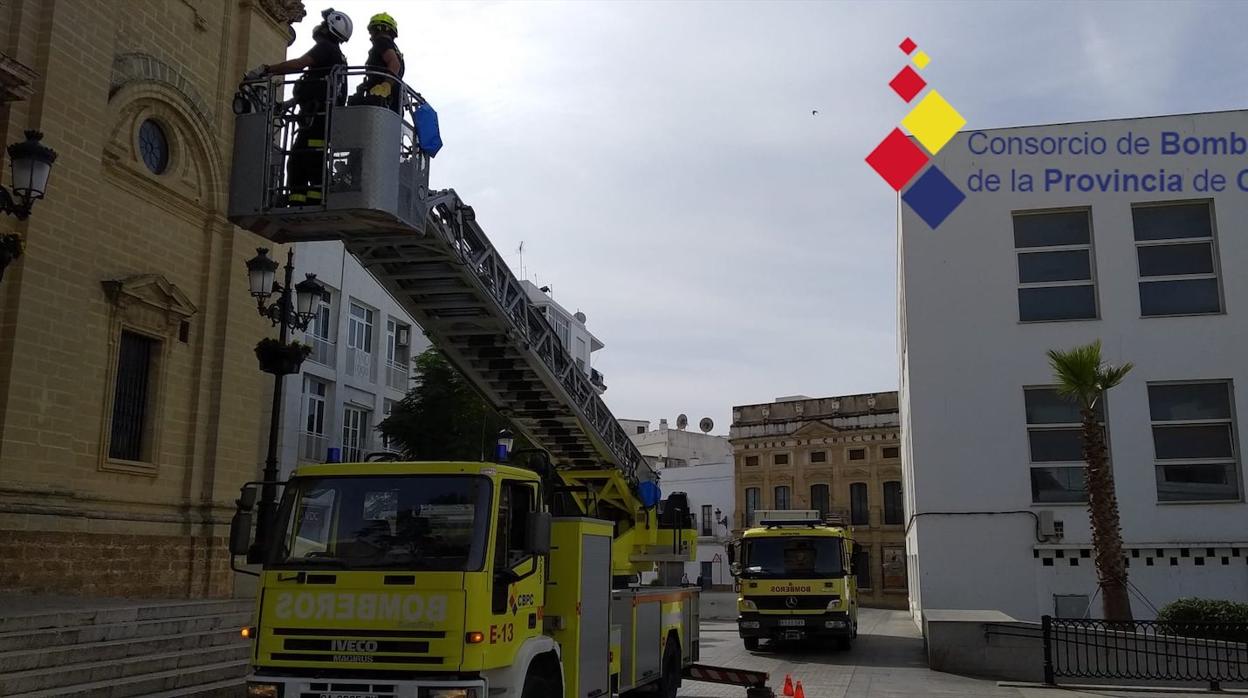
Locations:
(278, 357)
(31, 163)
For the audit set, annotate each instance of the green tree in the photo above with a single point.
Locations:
(443, 417)
(1082, 376)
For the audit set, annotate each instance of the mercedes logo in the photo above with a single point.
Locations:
(791, 602)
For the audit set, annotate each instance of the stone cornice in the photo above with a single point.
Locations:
(16, 80)
(284, 11)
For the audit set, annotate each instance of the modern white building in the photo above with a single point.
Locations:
(363, 344)
(570, 327)
(1133, 250)
(700, 465)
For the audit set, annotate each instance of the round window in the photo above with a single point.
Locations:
(154, 146)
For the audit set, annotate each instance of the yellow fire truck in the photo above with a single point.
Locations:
(516, 578)
(795, 575)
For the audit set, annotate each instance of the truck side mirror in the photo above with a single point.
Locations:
(857, 559)
(246, 498)
(537, 533)
(732, 553)
(240, 532)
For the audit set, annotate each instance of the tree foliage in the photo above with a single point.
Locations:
(443, 417)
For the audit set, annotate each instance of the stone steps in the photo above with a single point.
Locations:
(176, 650)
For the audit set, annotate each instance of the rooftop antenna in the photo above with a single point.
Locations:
(520, 251)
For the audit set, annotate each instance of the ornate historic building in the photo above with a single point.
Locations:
(837, 455)
(131, 405)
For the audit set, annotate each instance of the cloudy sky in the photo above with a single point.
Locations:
(662, 166)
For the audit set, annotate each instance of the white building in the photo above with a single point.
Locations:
(989, 453)
(701, 466)
(363, 344)
(570, 327)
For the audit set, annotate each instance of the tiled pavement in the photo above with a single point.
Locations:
(887, 661)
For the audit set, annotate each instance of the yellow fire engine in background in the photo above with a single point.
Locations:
(796, 579)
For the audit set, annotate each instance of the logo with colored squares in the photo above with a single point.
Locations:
(932, 122)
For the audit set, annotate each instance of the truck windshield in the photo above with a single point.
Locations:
(412, 522)
(792, 558)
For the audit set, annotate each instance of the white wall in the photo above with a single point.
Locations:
(691, 447)
(707, 484)
(965, 358)
(348, 281)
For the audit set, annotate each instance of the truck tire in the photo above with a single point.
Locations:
(669, 681)
(751, 643)
(540, 682)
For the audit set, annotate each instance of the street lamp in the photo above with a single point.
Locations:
(279, 358)
(31, 163)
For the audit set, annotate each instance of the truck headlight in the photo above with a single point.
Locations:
(264, 690)
(747, 605)
(833, 603)
(430, 692)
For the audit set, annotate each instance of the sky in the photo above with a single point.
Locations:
(661, 163)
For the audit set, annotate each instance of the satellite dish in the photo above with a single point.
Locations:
(580, 317)
(682, 421)
(706, 425)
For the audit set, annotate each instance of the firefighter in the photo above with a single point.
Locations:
(305, 168)
(384, 56)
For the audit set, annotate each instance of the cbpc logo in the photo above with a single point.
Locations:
(897, 159)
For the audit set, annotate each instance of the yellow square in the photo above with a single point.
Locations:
(933, 121)
(921, 59)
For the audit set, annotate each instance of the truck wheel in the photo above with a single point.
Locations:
(540, 683)
(751, 643)
(669, 682)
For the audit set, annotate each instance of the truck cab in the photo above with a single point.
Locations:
(796, 582)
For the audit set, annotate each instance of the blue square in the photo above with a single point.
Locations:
(933, 196)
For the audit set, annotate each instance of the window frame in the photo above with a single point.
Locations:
(788, 497)
(361, 327)
(148, 446)
(749, 510)
(775, 459)
(314, 401)
(884, 452)
(1090, 246)
(360, 430)
(827, 499)
(866, 504)
(849, 454)
(822, 457)
(707, 521)
(898, 504)
(1061, 426)
(1232, 422)
(748, 459)
(1215, 258)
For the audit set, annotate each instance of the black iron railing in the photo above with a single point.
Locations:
(1213, 653)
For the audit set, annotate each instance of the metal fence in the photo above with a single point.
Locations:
(1213, 653)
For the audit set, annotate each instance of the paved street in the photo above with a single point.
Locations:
(887, 661)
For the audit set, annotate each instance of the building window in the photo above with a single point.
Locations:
(354, 434)
(818, 456)
(1194, 441)
(780, 459)
(751, 504)
(891, 452)
(154, 147)
(132, 395)
(893, 567)
(1055, 444)
(641, 430)
(1178, 267)
(707, 529)
(894, 512)
(387, 409)
(858, 513)
(1055, 266)
(321, 318)
(857, 454)
(749, 460)
(314, 394)
(819, 499)
(582, 351)
(360, 329)
(782, 497)
(563, 329)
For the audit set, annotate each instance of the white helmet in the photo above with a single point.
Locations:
(337, 24)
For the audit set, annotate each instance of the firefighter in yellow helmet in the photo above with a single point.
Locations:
(383, 57)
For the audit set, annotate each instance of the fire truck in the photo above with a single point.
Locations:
(796, 579)
(517, 577)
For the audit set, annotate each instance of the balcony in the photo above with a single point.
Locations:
(360, 364)
(596, 379)
(398, 375)
(313, 447)
(324, 352)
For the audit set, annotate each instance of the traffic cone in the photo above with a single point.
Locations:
(799, 692)
(788, 685)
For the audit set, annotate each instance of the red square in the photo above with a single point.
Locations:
(908, 46)
(896, 159)
(907, 83)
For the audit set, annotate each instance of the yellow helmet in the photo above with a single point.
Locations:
(384, 20)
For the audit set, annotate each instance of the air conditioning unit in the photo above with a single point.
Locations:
(403, 337)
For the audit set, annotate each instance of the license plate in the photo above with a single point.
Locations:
(792, 635)
(792, 622)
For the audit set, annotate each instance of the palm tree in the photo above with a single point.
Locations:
(1084, 378)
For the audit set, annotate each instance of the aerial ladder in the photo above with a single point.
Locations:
(427, 249)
